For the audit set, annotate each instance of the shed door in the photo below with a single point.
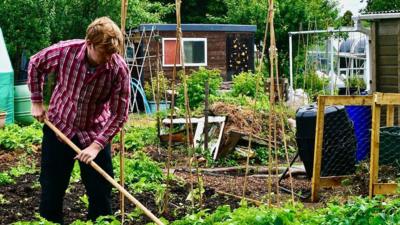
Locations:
(239, 54)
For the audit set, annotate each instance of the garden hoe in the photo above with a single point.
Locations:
(105, 175)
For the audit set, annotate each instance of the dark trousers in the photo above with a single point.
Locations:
(56, 166)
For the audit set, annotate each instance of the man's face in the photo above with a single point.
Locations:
(97, 55)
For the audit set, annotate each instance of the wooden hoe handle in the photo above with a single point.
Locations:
(105, 175)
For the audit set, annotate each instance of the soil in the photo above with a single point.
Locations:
(22, 198)
(23, 202)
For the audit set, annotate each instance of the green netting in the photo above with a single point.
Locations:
(389, 146)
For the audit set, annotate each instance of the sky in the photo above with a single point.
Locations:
(353, 5)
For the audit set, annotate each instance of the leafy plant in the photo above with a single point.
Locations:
(355, 82)
(357, 210)
(14, 137)
(5, 179)
(3, 200)
(313, 84)
(196, 84)
(245, 84)
(150, 88)
(23, 167)
(85, 200)
(142, 173)
(137, 137)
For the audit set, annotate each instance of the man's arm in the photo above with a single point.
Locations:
(41, 64)
(119, 105)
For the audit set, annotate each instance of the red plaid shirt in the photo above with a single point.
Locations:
(90, 104)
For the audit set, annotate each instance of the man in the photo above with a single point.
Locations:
(89, 105)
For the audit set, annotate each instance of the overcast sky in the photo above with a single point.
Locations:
(353, 5)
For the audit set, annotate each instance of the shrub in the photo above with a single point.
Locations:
(195, 86)
(245, 84)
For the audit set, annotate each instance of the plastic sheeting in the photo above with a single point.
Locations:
(6, 82)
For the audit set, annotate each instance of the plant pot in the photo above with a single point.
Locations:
(350, 91)
(2, 119)
(164, 105)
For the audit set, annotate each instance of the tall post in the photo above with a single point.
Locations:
(291, 62)
(206, 116)
(124, 7)
(331, 69)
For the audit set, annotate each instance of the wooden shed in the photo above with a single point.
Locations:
(384, 50)
(227, 47)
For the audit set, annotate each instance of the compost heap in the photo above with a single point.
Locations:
(242, 120)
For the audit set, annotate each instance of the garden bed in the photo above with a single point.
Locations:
(23, 202)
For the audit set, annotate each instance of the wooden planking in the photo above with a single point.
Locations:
(388, 79)
(387, 98)
(390, 115)
(384, 188)
(374, 162)
(348, 100)
(372, 54)
(398, 57)
(216, 50)
(388, 27)
(319, 131)
(386, 40)
(333, 181)
(386, 70)
(387, 50)
(387, 60)
(388, 89)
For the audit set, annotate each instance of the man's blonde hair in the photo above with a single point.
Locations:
(105, 34)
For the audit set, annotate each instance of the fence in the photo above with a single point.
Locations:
(384, 157)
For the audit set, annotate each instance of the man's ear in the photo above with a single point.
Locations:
(89, 43)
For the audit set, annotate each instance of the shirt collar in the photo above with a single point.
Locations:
(82, 53)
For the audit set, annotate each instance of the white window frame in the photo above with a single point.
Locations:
(182, 44)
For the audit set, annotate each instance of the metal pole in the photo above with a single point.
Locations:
(331, 70)
(291, 62)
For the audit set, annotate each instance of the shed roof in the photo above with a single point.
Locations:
(201, 27)
(392, 14)
(5, 62)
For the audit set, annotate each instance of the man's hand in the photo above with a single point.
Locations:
(38, 111)
(89, 154)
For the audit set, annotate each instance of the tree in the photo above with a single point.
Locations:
(31, 25)
(197, 11)
(381, 5)
(290, 15)
(346, 19)
(26, 27)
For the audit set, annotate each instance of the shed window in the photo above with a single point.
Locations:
(195, 52)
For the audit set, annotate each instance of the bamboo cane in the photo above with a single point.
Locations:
(105, 175)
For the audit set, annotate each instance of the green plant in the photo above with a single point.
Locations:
(245, 84)
(23, 167)
(150, 87)
(142, 173)
(313, 84)
(3, 200)
(196, 194)
(137, 137)
(85, 200)
(5, 179)
(102, 220)
(355, 82)
(356, 211)
(14, 137)
(196, 84)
